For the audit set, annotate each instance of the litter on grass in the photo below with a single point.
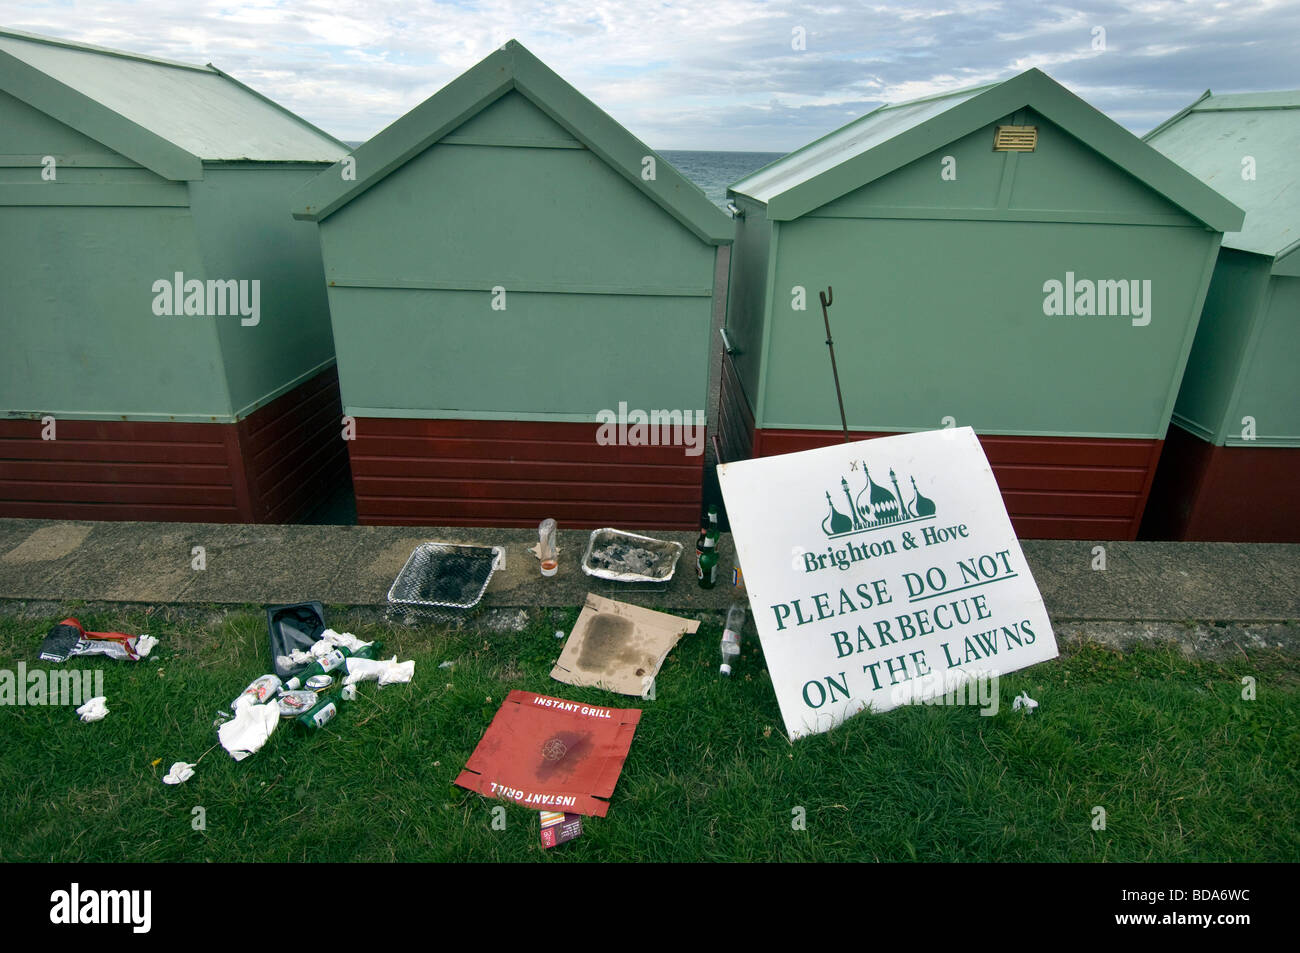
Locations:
(327, 642)
(94, 710)
(546, 752)
(1024, 701)
(251, 727)
(386, 672)
(559, 827)
(293, 628)
(69, 639)
(618, 646)
(180, 773)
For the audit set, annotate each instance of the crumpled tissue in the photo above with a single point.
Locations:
(1024, 701)
(249, 729)
(180, 773)
(329, 640)
(95, 709)
(388, 672)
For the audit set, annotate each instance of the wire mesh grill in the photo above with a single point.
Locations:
(443, 576)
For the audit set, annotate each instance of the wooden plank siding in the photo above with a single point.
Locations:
(271, 467)
(735, 417)
(1053, 487)
(517, 473)
(1206, 493)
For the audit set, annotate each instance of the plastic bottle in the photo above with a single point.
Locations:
(731, 637)
(546, 550)
(706, 567)
(330, 661)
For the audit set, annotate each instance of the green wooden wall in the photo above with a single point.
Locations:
(747, 290)
(607, 296)
(939, 297)
(1237, 297)
(245, 232)
(79, 258)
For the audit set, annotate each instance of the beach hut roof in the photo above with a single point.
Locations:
(512, 67)
(894, 135)
(1215, 136)
(169, 117)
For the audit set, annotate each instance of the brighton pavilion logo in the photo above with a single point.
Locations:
(875, 507)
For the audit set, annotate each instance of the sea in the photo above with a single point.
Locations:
(711, 171)
(714, 171)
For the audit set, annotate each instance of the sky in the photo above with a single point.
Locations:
(755, 75)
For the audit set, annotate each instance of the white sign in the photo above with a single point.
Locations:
(881, 573)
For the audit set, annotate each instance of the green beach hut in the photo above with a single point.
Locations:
(1003, 257)
(1232, 460)
(167, 343)
(521, 294)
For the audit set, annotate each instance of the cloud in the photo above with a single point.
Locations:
(726, 75)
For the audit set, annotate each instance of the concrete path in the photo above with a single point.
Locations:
(1189, 591)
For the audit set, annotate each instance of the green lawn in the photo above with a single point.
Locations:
(1185, 769)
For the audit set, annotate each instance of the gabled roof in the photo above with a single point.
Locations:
(892, 136)
(512, 67)
(169, 117)
(1212, 138)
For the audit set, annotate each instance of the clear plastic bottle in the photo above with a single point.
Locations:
(731, 637)
(546, 549)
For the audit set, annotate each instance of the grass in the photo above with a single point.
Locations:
(1185, 769)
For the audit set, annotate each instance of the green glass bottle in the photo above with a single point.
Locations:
(332, 661)
(324, 710)
(706, 568)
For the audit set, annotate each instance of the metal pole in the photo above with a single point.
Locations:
(826, 303)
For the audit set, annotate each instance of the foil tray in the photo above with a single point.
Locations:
(608, 552)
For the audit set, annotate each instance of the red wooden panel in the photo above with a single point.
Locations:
(1053, 527)
(293, 450)
(1053, 487)
(583, 451)
(515, 473)
(1224, 494)
(72, 471)
(1116, 480)
(1049, 503)
(115, 492)
(143, 512)
(542, 472)
(403, 512)
(523, 490)
(285, 418)
(164, 470)
(117, 470)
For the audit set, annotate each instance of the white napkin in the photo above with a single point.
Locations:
(249, 729)
(179, 773)
(388, 672)
(94, 710)
(1024, 701)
